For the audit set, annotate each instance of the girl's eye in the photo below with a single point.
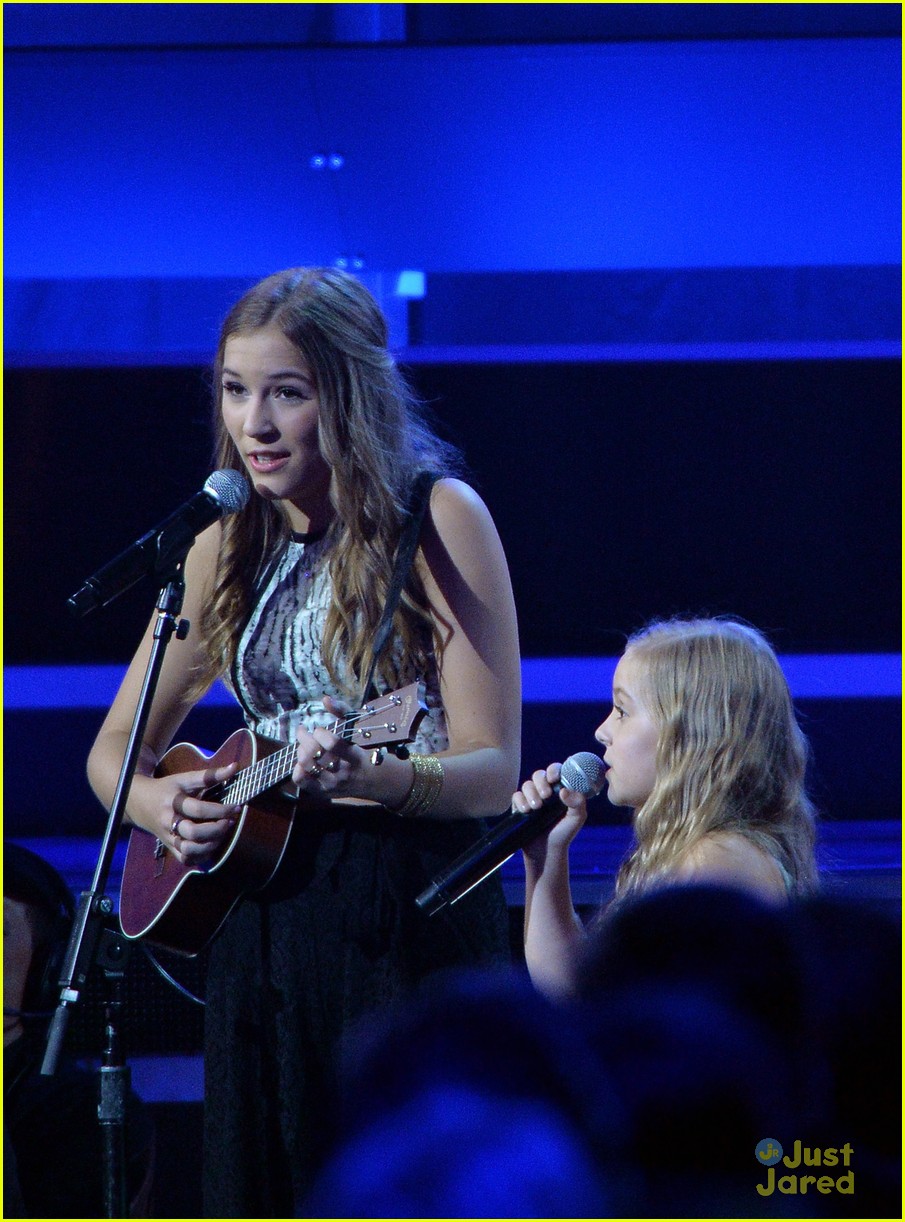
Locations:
(233, 388)
(291, 393)
(620, 712)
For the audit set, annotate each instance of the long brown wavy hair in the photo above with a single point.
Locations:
(730, 755)
(374, 438)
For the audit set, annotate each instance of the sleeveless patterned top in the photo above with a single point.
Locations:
(280, 677)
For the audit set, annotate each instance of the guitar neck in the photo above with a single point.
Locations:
(249, 783)
(401, 712)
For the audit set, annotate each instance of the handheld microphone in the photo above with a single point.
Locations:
(224, 492)
(583, 772)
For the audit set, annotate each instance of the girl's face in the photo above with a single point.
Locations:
(630, 736)
(270, 408)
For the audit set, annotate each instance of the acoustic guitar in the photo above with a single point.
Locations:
(181, 907)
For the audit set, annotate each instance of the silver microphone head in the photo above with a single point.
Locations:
(229, 487)
(583, 772)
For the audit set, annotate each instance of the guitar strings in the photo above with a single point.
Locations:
(263, 774)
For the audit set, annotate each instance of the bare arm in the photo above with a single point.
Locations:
(554, 933)
(154, 803)
(466, 580)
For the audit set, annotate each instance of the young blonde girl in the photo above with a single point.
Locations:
(703, 745)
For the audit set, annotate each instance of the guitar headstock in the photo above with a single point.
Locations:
(388, 720)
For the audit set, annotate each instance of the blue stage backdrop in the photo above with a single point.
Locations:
(642, 262)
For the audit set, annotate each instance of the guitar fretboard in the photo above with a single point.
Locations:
(257, 778)
(273, 769)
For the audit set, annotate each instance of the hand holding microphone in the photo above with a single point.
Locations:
(583, 772)
(544, 787)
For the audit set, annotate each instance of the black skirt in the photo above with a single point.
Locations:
(336, 937)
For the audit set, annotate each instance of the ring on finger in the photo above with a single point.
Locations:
(314, 771)
(319, 754)
(174, 826)
(332, 766)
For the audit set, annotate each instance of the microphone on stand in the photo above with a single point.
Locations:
(224, 492)
(583, 772)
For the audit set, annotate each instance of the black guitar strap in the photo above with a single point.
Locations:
(405, 554)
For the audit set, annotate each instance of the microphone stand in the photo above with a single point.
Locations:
(92, 941)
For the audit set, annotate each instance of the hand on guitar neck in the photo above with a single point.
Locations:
(331, 763)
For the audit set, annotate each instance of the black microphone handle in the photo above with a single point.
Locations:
(513, 832)
(152, 553)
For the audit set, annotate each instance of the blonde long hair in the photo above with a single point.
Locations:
(730, 755)
(375, 441)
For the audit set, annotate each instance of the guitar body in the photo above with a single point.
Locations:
(182, 907)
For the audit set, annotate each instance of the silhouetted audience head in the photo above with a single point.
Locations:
(701, 1088)
(481, 1100)
(723, 1022)
(706, 1022)
(53, 1143)
(692, 995)
(851, 965)
(720, 939)
(38, 913)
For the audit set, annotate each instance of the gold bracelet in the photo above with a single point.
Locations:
(426, 785)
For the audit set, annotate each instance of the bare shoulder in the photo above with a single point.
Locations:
(203, 556)
(459, 529)
(463, 565)
(733, 859)
(455, 504)
(201, 570)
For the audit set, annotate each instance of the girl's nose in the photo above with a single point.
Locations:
(257, 419)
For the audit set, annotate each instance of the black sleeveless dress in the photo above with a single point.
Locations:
(334, 938)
